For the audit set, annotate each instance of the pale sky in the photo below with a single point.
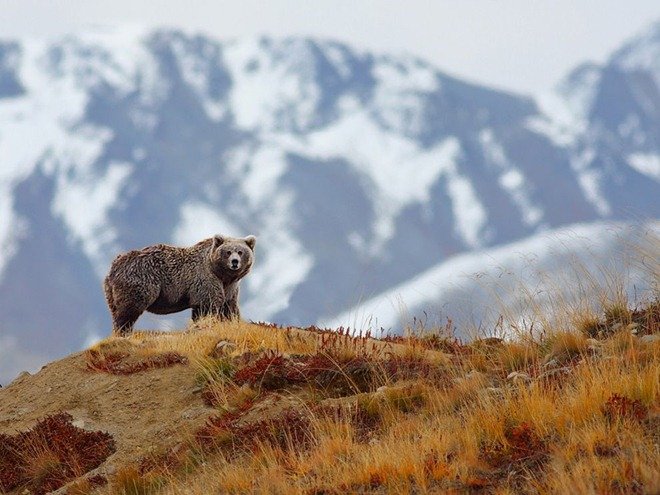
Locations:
(520, 45)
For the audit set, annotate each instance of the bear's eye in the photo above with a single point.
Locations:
(240, 253)
(227, 253)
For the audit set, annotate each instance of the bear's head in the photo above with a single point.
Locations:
(232, 258)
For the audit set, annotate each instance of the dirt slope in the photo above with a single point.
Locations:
(142, 410)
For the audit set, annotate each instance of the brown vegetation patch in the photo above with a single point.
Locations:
(431, 342)
(337, 373)
(124, 363)
(340, 377)
(290, 429)
(622, 407)
(409, 367)
(164, 462)
(85, 486)
(272, 371)
(364, 416)
(523, 449)
(51, 454)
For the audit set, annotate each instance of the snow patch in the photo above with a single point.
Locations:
(12, 230)
(264, 170)
(401, 171)
(589, 180)
(646, 163)
(196, 69)
(36, 124)
(400, 93)
(337, 57)
(469, 213)
(631, 128)
(42, 127)
(404, 75)
(641, 53)
(577, 95)
(281, 262)
(199, 221)
(257, 170)
(511, 178)
(557, 121)
(117, 55)
(274, 84)
(83, 200)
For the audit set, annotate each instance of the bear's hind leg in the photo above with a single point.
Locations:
(123, 321)
(109, 297)
(200, 312)
(133, 301)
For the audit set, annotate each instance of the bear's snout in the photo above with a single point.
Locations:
(234, 261)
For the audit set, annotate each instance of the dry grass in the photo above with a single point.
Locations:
(585, 418)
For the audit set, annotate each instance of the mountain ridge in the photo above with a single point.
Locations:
(355, 170)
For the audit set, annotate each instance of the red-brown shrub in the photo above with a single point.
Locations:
(290, 429)
(67, 453)
(121, 363)
(622, 407)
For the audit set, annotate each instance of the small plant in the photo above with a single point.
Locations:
(405, 399)
(591, 326)
(214, 370)
(565, 346)
(365, 416)
(130, 480)
(86, 486)
(617, 314)
(340, 377)
(413, 366)
(516, 356)
(342, 345)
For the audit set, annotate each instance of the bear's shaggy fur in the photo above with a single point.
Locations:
(164, 279)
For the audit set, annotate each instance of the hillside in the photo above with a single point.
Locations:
(355, 169)
(254, 408)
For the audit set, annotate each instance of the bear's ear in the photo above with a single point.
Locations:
(250, 241)
(218, 240)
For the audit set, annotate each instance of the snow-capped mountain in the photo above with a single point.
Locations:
(357, 171)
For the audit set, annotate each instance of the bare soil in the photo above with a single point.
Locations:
(151, 409)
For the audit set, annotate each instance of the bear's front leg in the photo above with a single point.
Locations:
(206, 301)
(230, 310)
(206, 310)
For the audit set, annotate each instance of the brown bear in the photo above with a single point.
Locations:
(165, 279)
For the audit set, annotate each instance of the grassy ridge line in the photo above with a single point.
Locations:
(565, 411)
